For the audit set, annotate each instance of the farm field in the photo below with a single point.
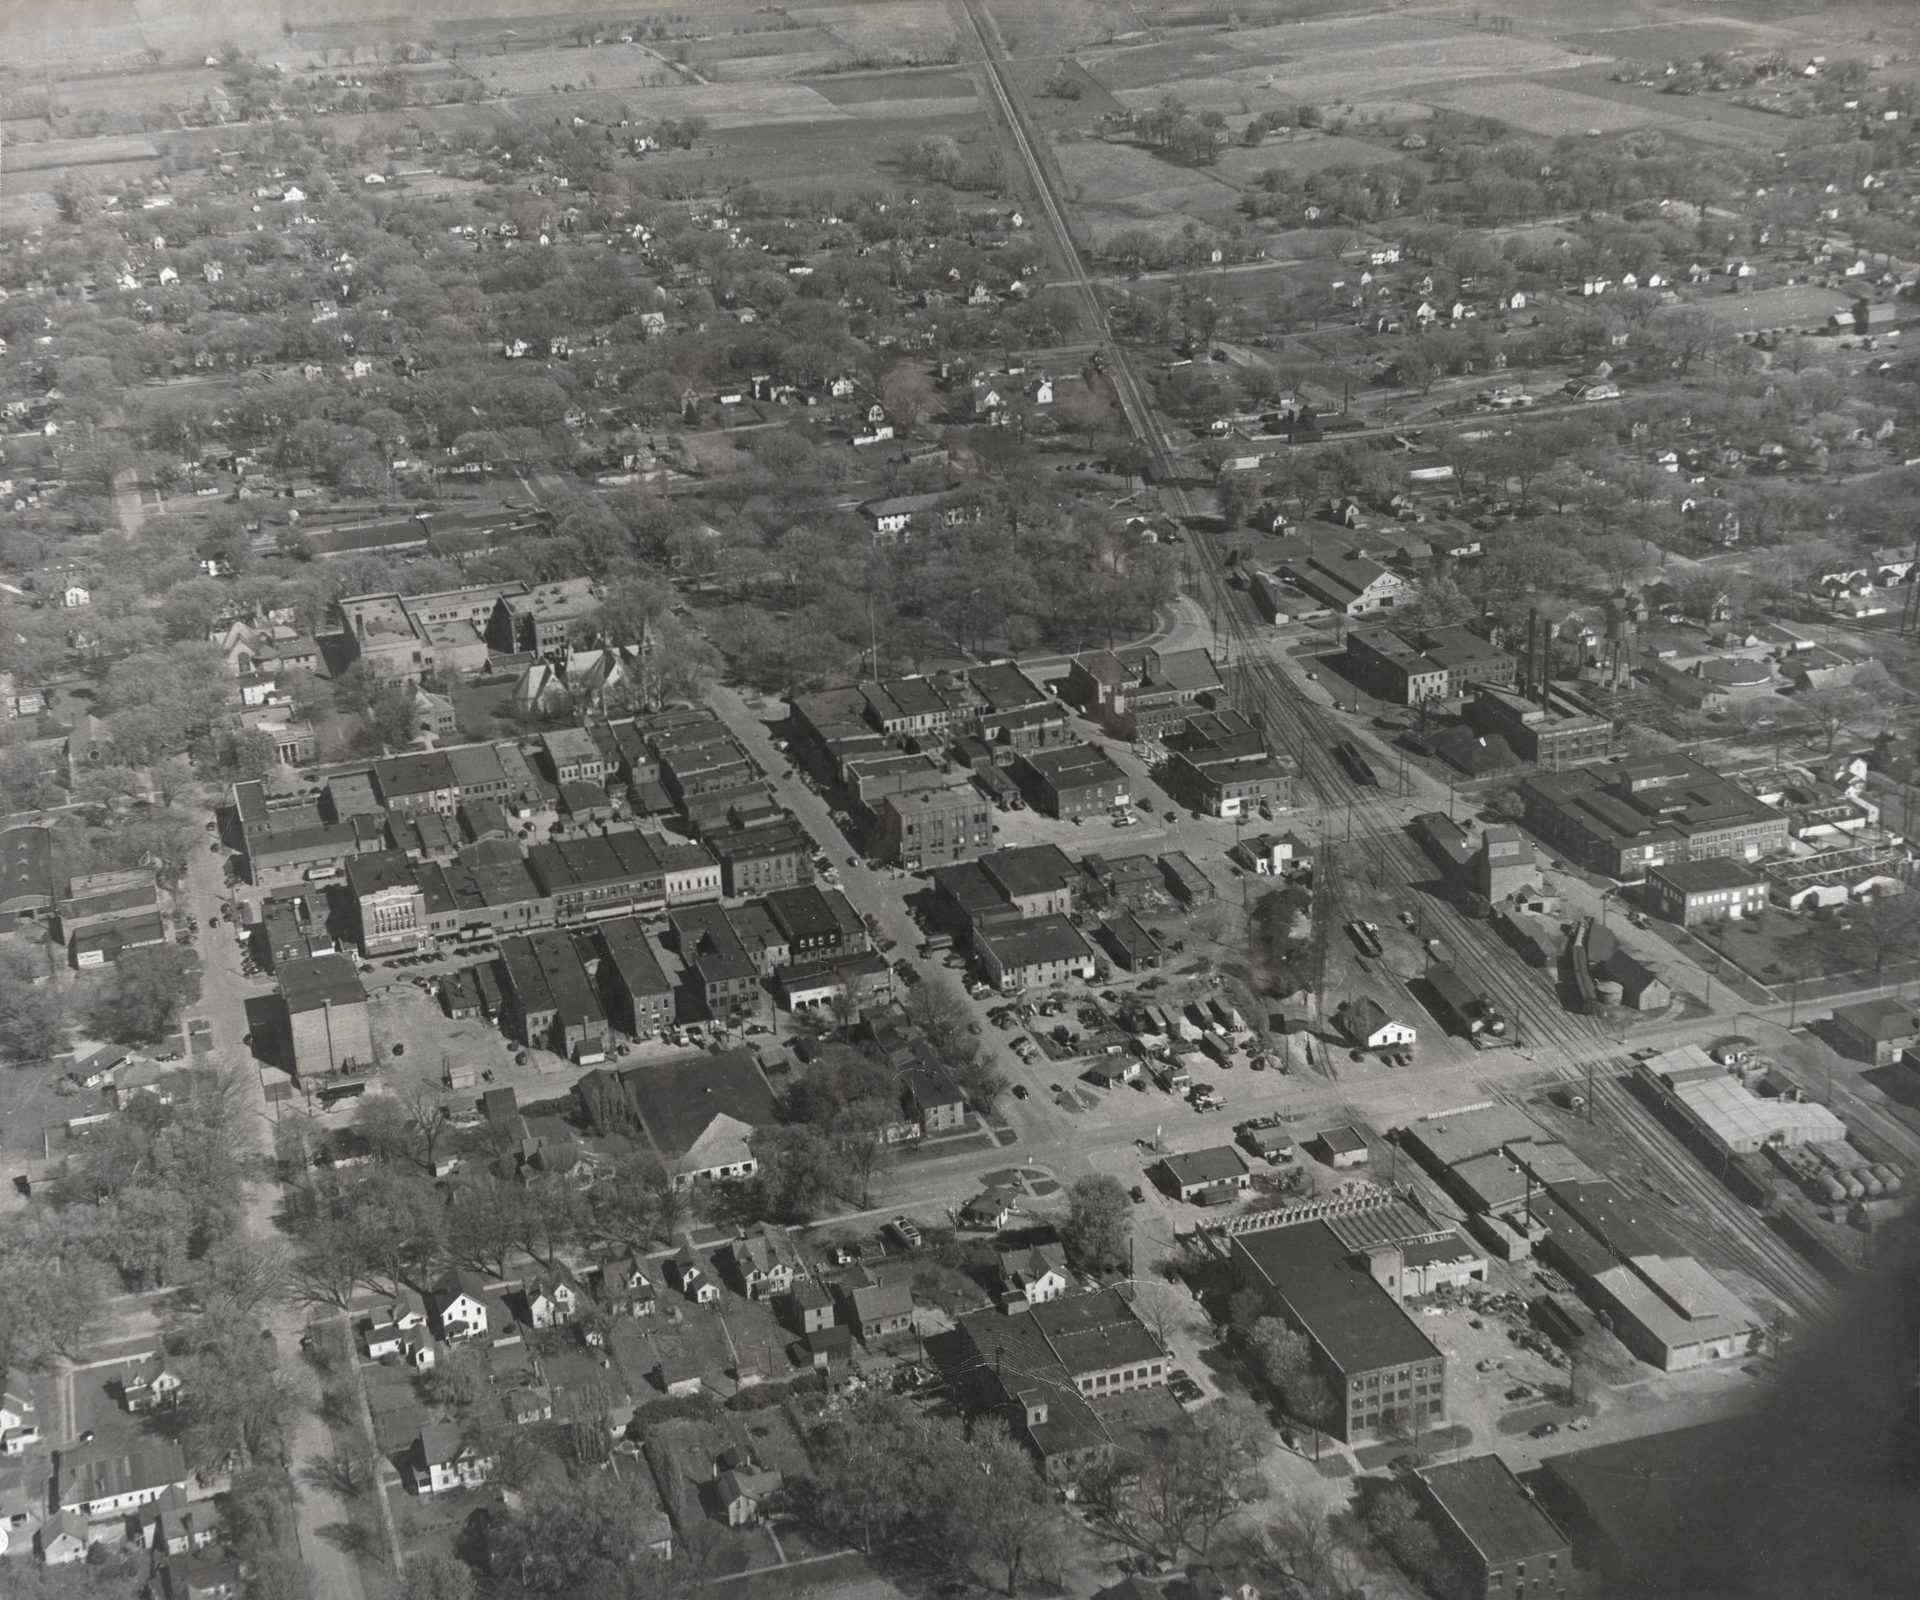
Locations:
(849, 89)
(1242, 165)
(1547, 109)
(540, 71)
(1135, 182)
(899, 28)
(1335, 61)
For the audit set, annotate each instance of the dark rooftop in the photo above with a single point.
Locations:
(1486, 1502)
(1353, 1318)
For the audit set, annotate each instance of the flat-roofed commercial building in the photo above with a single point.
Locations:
(551, 1001)
(1409, 666)
(328, 1027)
(1692, 893)
(1388, 1378)
(1563, 732)
(633, 984)
(611, 874)
(1504, 1547)
(1622, 819)
(390, 912)
(932, 827)
(1035, 952)
(1072, 781)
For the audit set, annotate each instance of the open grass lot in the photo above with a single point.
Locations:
(1144, 66)
(133, 92)
(1547, 108)
(1792, 305)
(835, 149)
(1695, 114)
(534, 71)
(901, 28)
(1679, 41)
(52, 154)
(855, 89)
(1324, 62)
(763, 69)
(1242, 165)
(785, 43)
(1136, 182)
(724, 105)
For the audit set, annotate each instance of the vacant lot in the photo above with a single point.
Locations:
(532, 71)
(1135, 182)
(1325, 63)
(787, 42)
(854, 89)
(885, 28)
(836, 148)
(1546, 109)
(1242, 165)
(136, 91)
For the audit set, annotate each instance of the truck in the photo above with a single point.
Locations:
(1171, 1076)
(1464, 1008)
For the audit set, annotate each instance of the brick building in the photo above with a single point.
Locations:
(1409, 666)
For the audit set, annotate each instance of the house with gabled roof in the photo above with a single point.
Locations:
(174, 1525)
(627, 1283)
(149, 1386)
(61, 1539)
(443, 1459)
(1032, 1275)
(763, 1260)
(688, 1273)
(880, 1311)
(552, 1301)
(463, 1305)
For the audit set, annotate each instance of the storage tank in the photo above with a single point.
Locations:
(1827, 1187)
(1889, 1177)
(1611, 991)
(1856, 1190)
(1870, 1181)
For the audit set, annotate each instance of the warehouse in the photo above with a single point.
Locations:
(1726, 1109)
(1665, 1307)
(1386, 1375)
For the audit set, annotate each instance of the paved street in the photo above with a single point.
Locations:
(223, 1000)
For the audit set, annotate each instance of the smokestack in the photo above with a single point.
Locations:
(1526, 676)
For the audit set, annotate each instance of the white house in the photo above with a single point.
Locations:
(691, 1278)
(457, 1307)
(149, 1386)
(1035, 1275)
(443, 1460)
(76, 595)
(552, 1302)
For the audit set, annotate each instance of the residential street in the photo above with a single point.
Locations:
(223, 1000)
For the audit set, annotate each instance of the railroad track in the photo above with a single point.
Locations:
(1307, 733)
